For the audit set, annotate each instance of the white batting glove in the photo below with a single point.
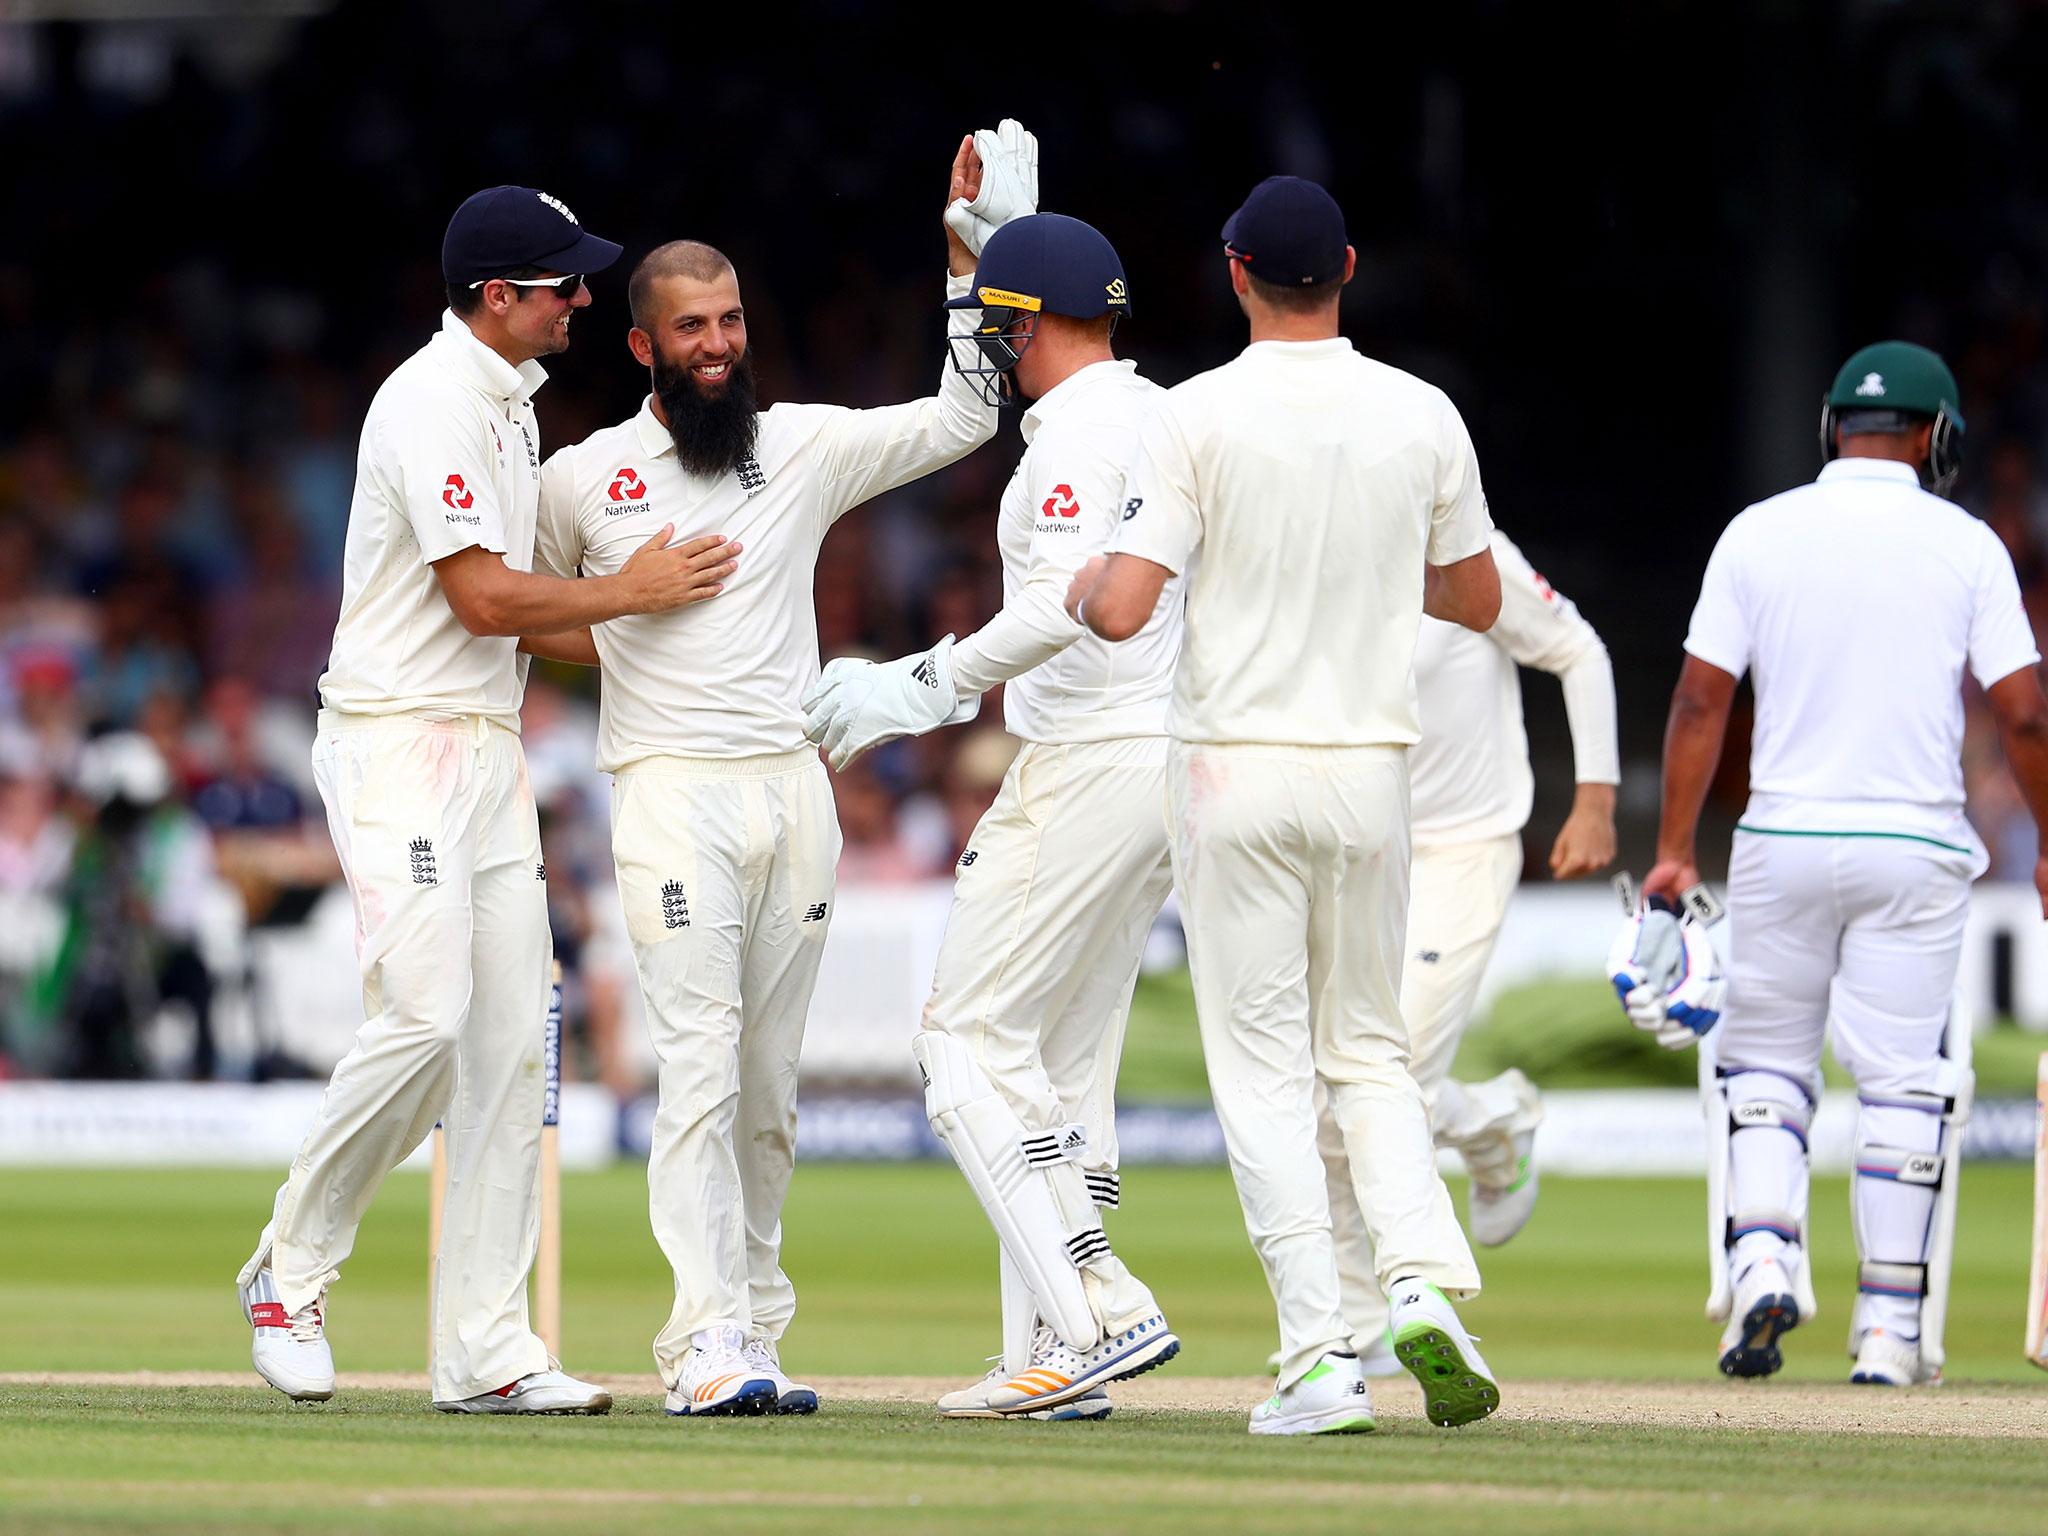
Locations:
(1009, 184)
(856, 704)
(1665, 972)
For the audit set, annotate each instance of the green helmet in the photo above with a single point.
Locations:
(1889, 387)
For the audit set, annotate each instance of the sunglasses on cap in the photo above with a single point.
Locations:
(562, 287)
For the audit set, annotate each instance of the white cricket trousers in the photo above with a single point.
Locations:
(1052, 903)
(1458, 897)
(1292, 867)
(725, 868)
(434, 822)
(1866, 931)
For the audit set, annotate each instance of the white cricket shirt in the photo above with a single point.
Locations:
(722, 678)
(1468, 777)
(1300, 488)
(1856, 602)
(1060, 507)
(449, 457)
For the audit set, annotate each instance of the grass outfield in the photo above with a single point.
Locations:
(129, 1271)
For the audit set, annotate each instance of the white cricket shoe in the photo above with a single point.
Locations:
(549, 1391)
(291, 1351)
(790, 1396)
(1457, 1388)
(1496, 1213)
(973, 1403)
(1374, 1363)
(1059, 1374)
(1765, 1310)
(1886, 1360)
(1332, 1399)
(717, 1379)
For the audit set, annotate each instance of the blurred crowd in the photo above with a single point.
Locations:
(186, 353)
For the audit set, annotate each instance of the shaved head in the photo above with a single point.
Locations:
(693, 259)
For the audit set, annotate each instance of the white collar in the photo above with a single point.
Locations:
(477, 365)
(1868, 469)
(655, 439)
(1064, 394)
(1302, 351)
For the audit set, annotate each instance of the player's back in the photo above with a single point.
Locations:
(1319, 475)
(1856, 603)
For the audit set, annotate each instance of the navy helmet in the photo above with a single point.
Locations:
(1041, 264)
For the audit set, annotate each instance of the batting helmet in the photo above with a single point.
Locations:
(1041, 264)
(1889, 387)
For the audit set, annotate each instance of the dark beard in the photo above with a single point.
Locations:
(714, 431)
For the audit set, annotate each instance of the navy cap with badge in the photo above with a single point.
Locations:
(1289, 231)
(501, 229)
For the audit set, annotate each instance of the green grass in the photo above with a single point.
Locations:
(1563, 1033)
(130, 1270)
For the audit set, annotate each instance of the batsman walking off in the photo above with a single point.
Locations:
(1319, 503)
(1855, 604)
(1063, 877)
(724, 834)
(419, 763)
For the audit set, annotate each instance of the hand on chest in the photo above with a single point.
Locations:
(628, 503)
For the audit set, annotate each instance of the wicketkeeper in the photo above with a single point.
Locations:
(1856, 604)
(1064, 875)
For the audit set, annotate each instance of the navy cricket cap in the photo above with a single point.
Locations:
(1289, 231)
(502, 228)
(1047, 262)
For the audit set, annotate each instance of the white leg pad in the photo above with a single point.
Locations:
(1010, 1171)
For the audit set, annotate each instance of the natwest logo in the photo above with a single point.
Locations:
(626, 486)
(458, 495)
(1061, 503)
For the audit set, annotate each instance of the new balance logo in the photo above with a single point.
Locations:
(1430, 956)
(926, 673)
(421, 851)
(1357, 1389)
(967, 858)
(540, 871)
(675, 907)
(751, 475)
(815, 914)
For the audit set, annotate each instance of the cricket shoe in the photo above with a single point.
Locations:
(1059, 1374)
(790, 1396)
(1765, 1311)
(291, 1351)
(973, 1403)
(548, 1391)
(1886, 1360)
(1503, 1167)
(717, 1379)
(1374, 1362)
(1457, 1388)
(1332, 1399)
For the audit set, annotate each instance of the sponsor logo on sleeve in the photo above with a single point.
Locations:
(1131, 507)
(458, 498)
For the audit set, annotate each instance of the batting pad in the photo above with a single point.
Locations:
(1011, 1174)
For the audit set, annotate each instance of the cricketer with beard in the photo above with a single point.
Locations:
(723, 828)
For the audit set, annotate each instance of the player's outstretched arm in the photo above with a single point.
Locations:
(1585, 843)
(1693, 733)
(490, 598)
(2022, 711)
(575, 646)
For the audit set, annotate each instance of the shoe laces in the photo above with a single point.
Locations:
(307, 1323)
(757, 1352)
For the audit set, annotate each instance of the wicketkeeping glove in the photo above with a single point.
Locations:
(1009, 183)
(858, 704)
(1665, 972)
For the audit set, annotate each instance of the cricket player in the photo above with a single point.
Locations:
(1318, 503)
(419, 763)
(1064, 875)
(723, 829)
(1856, 604)
(1470, 790)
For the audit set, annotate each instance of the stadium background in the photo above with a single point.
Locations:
(1632, 244)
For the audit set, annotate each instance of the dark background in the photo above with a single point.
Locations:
(1632, 242)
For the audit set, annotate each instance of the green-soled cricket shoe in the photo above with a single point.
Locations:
(1457, 1388)
(1332, 1399)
